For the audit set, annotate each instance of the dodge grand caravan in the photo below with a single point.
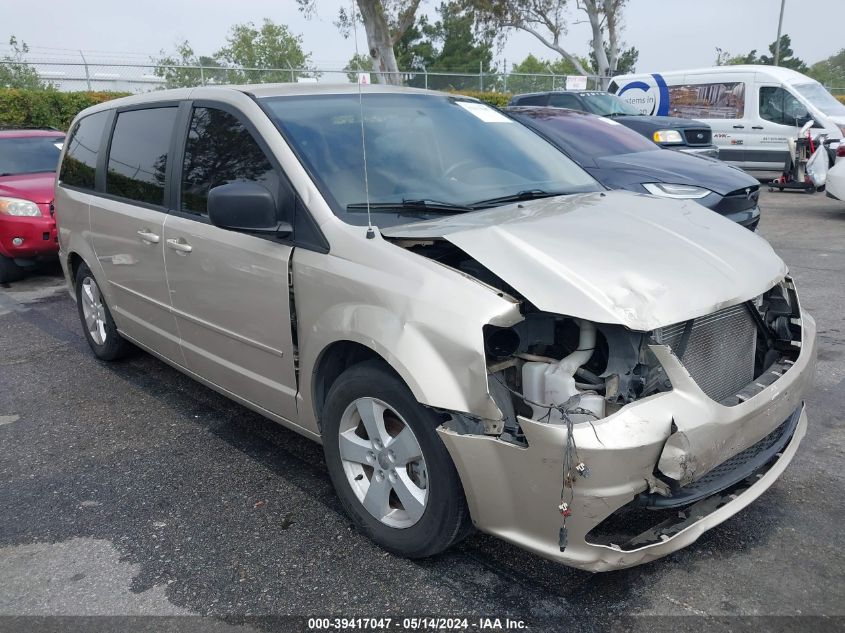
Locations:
(476, 332)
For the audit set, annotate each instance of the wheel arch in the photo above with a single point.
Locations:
(81, 252)
(74, 261)
(336, 358)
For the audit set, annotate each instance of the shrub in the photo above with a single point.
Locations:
(497, 99)
(46, 108)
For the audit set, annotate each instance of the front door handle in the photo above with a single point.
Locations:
(739, 127)
(180, 246)
(756, 127)
(148, 236)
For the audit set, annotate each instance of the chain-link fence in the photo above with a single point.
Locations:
(136, 78)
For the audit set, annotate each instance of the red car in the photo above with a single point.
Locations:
(28, 162)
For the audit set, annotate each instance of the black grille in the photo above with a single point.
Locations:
(739, 200)
(698, 136)
(651, 518)
(731, 471)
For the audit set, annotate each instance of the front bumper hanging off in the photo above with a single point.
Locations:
(513, 491)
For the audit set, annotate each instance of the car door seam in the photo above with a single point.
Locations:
(170, 292)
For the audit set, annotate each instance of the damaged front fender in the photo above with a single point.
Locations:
(422, 318)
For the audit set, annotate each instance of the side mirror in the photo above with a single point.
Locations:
(802, 117)
(245, 206)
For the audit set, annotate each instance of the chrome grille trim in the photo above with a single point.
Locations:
(719, 354)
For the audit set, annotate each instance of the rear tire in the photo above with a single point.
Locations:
(97, 323)
(400, 487)
(9, 270)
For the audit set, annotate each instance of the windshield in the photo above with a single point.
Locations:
(605, 104)
(29, 155)
(816, 94)
(450, 151)
(583, 136)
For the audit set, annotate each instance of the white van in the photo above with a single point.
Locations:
(752, 110)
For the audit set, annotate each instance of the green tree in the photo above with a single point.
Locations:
(787, 58)
(548, 22)
(15, 72)
(459, 48)
(554, 74)
(830, 71)
(452, 45)
(358, 64)
(184, 68)
(626, 61)
(725, 58)
(414, 50)
(270, 46)
(385, 22)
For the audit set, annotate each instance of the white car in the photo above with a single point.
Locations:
(835, 185)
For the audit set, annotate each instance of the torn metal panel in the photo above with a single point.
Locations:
(512, 490)
(635, 260)
(704, 441)
(418, 315)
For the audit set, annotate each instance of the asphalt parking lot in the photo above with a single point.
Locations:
(128, 489)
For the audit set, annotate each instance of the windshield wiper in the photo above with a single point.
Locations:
(528, 194)
(421, 205)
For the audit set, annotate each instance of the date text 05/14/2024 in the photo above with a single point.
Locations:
(416, 624)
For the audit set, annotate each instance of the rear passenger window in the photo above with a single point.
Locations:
(80, 163)
(532, 100)
(138, 154)
(565, 101)
(220, 150)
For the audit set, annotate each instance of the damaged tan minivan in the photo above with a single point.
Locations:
(476, 331)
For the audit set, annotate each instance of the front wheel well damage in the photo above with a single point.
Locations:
(74, 261)
(334, 360)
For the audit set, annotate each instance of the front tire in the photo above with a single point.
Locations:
(389, 467)
(9, 270)
(97, 323)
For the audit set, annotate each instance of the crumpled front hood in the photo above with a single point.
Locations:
(614, 257)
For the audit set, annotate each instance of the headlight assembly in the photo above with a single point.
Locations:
(667, 136)
(679, 192)
(18, 207)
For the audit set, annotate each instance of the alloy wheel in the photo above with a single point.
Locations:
(383, 462)
(93, 310)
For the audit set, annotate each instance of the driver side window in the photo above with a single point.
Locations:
(779, 106)
(220, 150)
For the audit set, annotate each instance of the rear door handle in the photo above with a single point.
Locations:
(148, 236)
(180, 246)
(756, 127)
(739, 127)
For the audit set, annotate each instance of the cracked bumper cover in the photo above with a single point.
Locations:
(513, 492)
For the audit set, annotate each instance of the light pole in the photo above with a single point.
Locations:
(777, 42)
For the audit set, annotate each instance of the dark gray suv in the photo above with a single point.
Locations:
(685, 135)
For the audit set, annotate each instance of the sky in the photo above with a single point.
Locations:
(670, 34)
